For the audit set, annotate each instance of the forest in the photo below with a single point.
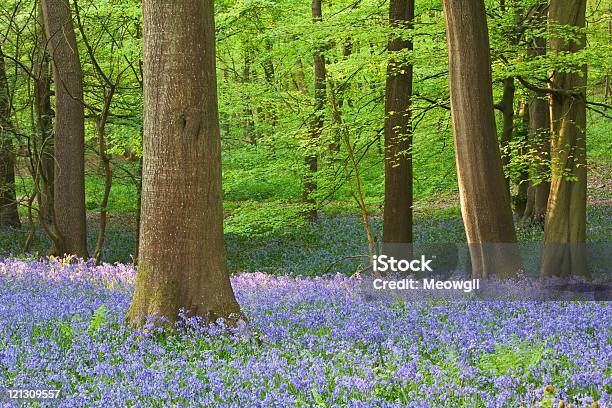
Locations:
(273, 203)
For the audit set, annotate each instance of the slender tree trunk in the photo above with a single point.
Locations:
(484, 198)
(316, 126)
(539, 129)
(268, 63)
(507, 105)
(539, 136)
(356, 191)
(269, 73)
(69, 192)
(249, 122)
(44, 122)
(565, 227)
(522, 184)
(9, 217)
(397, 218)
(138, 211)
(105, 163)
(181, 262)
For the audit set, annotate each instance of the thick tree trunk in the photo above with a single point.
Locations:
(397, 218)
(485, 205)
(69, 192)
(181, 261)
(565, 227)
(9, 217)
(316, 125)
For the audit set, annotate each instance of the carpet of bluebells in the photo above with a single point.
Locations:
(309, 342)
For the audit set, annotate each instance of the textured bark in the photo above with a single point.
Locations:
(565, 227)
(44, 122)
(9, 217)
(316, 125)
(485, 205)
(69, 192)
(397, 218)
(181, 260)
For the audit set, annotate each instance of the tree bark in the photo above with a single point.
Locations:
(485, 204)
(69, 192)
(181, 260)
(105, 164)
(44, 122)
(565, 227)
(507, 107)
(520, 201)
(539, 132)
(397, 218)
(9, 216)
(316, 125)
(539, 136)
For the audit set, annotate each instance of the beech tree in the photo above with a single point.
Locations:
(181, 263)
(9, 217)
(43, 143)
(69, 174)
(485, 203)
(538, 128)
(397, 218)
(565, 226)
(316, 125)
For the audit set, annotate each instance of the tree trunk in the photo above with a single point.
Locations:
(44, 122)
(9, 217)
(538, 130)
(521, 199)
(247, 110)
(565, 227)
(181, 261)
(316, 126)
(69, 192)
(138, 209)
(485, 204)
(105, 163)
(539, 136)
(397, 218)
(507, 106)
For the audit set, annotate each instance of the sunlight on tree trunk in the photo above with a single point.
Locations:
(485, 204)
(565, 227)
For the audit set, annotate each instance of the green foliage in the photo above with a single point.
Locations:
(514, 356)
(255, 219)
(98, 320)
